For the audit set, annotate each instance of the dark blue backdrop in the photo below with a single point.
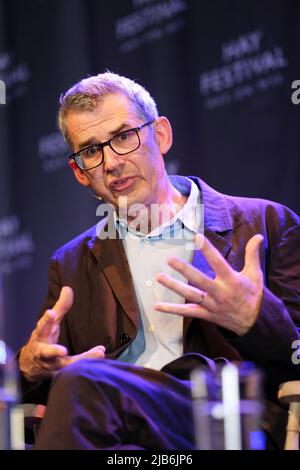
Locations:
(221, 71)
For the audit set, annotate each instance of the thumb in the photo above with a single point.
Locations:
(44, 325)
(64, 303)
(252, 258)
(97, 352)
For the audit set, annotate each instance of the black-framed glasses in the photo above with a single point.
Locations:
(125, 142)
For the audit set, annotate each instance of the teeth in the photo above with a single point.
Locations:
(120, 181)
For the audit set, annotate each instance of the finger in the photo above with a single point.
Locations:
(213, 256)
(49, 352)
(44, 325)
(252, 256)
(50, 368)
(96, 349)
(52, 365)
(98, 352)
(64, 303)
(192, 274)
(186, 310)
(190, 293)
(95, 352)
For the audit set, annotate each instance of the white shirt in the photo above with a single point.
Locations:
(147, 256)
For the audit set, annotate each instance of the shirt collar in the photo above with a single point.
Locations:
(187, 214)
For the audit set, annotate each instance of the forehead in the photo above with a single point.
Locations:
(110, 113)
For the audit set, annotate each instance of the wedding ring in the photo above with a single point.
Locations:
(201, 297)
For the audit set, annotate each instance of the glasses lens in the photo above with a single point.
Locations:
(89, 157)
(125, 142)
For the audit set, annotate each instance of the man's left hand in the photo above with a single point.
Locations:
(231, 300)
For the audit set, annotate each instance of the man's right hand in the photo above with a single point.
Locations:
(42, 356)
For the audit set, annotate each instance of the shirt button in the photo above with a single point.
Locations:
(152, 327)
(148, 283)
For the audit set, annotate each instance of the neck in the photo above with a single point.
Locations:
(147, 218)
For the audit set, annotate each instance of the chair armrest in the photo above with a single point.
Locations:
(289, 394)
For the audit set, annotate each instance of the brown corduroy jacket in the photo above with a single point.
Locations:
(105, 309)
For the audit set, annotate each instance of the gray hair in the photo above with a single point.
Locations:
(86, 94)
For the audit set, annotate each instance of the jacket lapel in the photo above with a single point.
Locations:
(111, 257)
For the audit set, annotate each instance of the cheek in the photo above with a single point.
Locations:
(96, 181)
(148, 160)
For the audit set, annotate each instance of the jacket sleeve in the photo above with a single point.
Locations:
(274, 340)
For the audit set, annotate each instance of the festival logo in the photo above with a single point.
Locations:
(53, 151)
(16, 245)
(149, 21)
(14, 77)
(247, 69)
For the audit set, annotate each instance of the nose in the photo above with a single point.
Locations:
(112, 161)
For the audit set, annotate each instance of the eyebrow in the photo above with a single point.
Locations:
(95, 140)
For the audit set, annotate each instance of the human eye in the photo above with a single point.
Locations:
(90, 152)
(123, 137)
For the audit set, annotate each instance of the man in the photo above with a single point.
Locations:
(106, 335)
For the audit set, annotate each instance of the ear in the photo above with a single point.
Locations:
(79, 174)
(163, 134)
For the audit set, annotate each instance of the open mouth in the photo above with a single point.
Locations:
(121, 184)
